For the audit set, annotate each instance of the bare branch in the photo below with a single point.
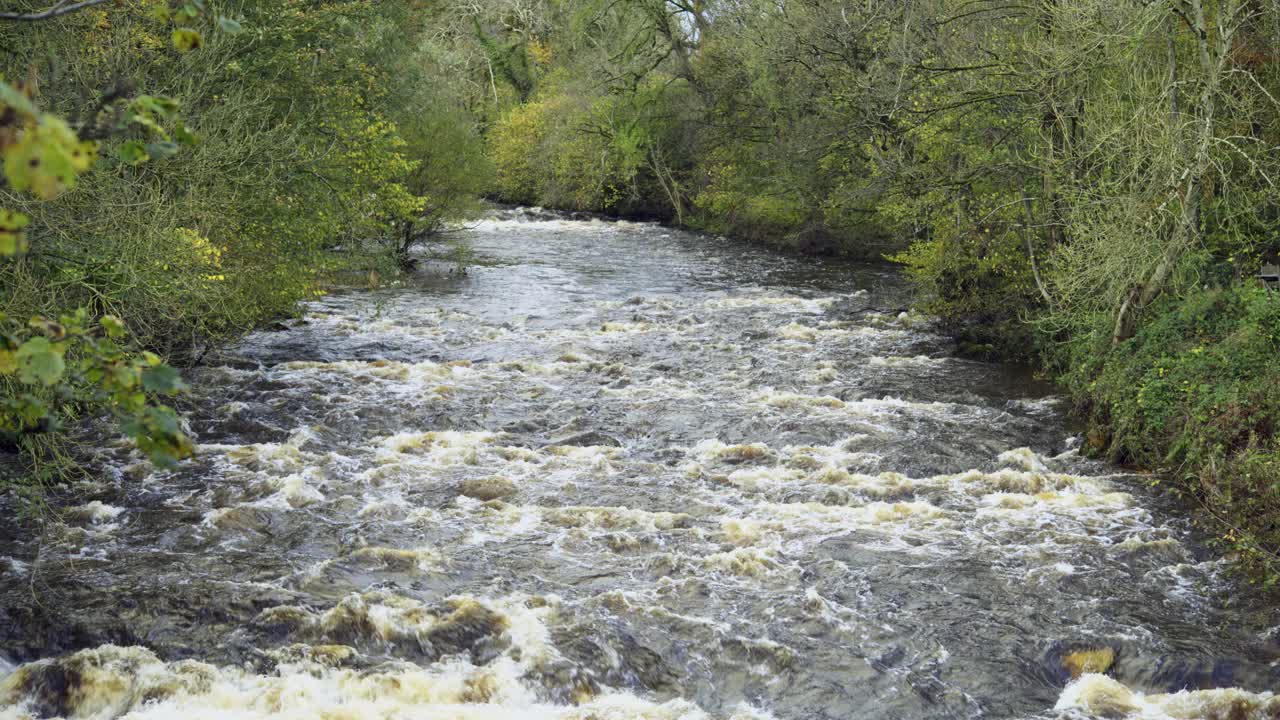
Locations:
(56, 10)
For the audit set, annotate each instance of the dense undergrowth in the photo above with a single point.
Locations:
(1196, 394)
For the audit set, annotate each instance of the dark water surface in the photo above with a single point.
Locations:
(615, 472)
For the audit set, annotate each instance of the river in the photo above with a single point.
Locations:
(616, 471)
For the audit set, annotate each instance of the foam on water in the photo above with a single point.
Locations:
(1102, 696)
(97, 515)
(130, 682)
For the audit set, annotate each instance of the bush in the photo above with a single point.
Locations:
(563, 151)
(1196, 394)
(977, 280)
(738, 197)
(514, 142)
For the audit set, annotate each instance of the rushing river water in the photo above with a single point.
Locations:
(619, 472)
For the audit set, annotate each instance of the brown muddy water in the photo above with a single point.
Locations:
(618, 472)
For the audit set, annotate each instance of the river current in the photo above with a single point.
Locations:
(619, 472)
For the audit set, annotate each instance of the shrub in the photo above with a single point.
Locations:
(1196, 394)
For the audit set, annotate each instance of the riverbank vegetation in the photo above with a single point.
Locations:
(180, 173)
(1089, 184)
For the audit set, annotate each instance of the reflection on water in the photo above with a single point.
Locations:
(618, 471)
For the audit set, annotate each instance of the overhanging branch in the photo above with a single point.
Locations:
(57, 10)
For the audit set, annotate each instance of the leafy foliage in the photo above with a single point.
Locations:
(202, 169)
(1059, 179)
(1089, 181)
(50, 368)
(1198, 391)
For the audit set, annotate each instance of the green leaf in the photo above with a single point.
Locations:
(229, 26)
(184, 135)
(162, 379)
(157, 105)
(112, 326)
(75, 321)
(8, 362)
(11, 97)
(157, 432)
(164, 420)
(147, 121)
(41, 162)
(55, 332)
(123, 377)
(106, 349)
(13, 237)
(133, 152)
(162, 150)
(12, 244)
(185, 40)
(40, 362)
(31, 410)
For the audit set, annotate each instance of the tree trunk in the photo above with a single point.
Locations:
(1051, 125)
(668, 183)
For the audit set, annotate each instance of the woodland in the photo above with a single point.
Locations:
(1088, 186)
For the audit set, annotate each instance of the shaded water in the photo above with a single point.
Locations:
(617, 471)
